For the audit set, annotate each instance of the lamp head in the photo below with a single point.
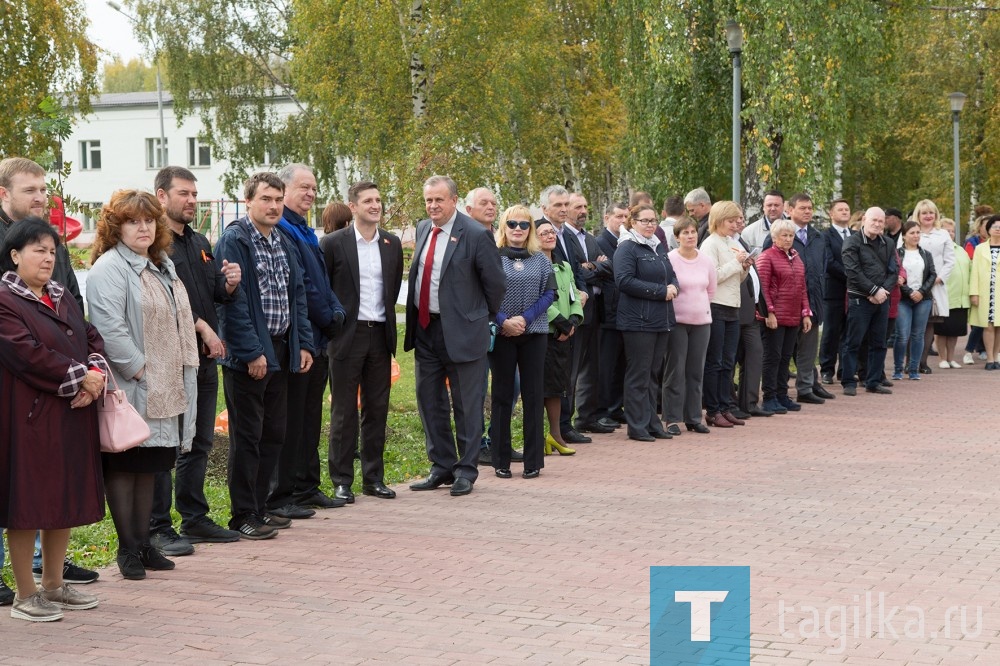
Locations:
(734, 36)
(957, 101)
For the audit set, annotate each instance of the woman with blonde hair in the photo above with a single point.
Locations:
(141, 308)
(731, 263)
(984, 291)
(948, 332)
(521, 341)
(939, 244)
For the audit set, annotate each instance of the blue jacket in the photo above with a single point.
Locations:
(241, 321)
(322, 303)
(642, 276)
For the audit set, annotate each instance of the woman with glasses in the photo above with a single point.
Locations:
(141, 308)
(731, 263)
(564, 315)
(521, 340)
(646, 285)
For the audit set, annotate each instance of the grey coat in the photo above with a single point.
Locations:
(114, 299)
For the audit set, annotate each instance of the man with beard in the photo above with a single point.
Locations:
(177, 190)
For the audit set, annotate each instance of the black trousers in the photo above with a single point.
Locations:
(524, 353)
(297, 476)
(834, 319)
(749, 355)
(586, 375)
(611, 373)
(779, 343)
(432, 366)
(644, 354)
(189, 483)
(258, 410)
(368, 367)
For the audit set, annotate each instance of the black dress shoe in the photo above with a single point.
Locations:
(660, 434)
(609, 423)
(319, 500)
(674, 429)
(344, 493)
(760, 411)
(698, 427)
(642, 438)
(531, 473)
(850, 390)
(433, 482)
(823, 393)
(878, 388)
(292, 512)
(826, 378)
(503, 473)
(740, 414)
(596, 428)
(925, 370)
(516, 455)
(810, 399)
(378, 489)
(887, 383)
(573, 437)
(485, 455)
(461, 486)
(619, 417)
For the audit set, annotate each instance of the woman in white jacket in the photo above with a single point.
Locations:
(938, 242)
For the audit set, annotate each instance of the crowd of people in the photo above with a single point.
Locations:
(641, 326)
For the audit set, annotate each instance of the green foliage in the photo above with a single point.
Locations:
(132, 76)
(45, 54)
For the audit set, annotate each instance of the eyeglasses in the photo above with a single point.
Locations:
(514, 224)
(140, 223)
(645, 221)
(546, 234)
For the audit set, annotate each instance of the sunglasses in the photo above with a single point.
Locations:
(523, 226)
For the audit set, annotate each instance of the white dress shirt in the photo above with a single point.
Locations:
(371, 303)
(443, 238)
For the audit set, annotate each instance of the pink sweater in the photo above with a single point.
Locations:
(697, 278)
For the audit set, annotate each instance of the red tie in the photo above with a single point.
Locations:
(424, 312)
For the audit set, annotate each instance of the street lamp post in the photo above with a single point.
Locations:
(734, 41)
(957, 101)
(161, 152)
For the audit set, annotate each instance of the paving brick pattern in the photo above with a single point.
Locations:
(887, 498)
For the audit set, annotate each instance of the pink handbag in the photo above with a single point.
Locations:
(121, 426)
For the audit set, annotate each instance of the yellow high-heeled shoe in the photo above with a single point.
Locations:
(551, 443)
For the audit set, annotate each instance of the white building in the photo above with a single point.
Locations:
(117, 146)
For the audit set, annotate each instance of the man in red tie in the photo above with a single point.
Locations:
(456, 284)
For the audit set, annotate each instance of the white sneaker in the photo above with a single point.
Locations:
(955, 365)
(983, 356)
(967, 359)
(944, 365)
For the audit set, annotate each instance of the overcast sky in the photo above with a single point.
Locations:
(111, 31)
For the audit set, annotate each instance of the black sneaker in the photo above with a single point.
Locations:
(485, 455)
(151, 558)
(252, 528)
(130, 566)
(275, 521)
(292, 511)
(206, 531)
(170, 543)
(71, 574)
(6, 594)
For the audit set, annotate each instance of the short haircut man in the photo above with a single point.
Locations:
(871, 268)
(268, 334)
(698, 205)
(760, 229)
(23, 193)
(481, 206)
(834, 289)
(295, 489)
(207, 286)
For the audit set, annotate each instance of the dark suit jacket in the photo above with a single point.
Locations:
(836, 279)
(591, 277)
(814, 256)
(471, 290)
(749, 306)
(608, 300)
(340, 253)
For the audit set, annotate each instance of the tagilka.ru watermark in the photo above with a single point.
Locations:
(870, 616)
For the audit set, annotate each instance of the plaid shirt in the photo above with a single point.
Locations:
(272, 278)
(75, 374)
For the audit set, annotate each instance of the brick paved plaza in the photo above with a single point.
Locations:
(887, 498)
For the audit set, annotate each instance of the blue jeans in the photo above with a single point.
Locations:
(719, 363)
(911, 323)
(865, 318)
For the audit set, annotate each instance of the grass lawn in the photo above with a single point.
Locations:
(405, 458)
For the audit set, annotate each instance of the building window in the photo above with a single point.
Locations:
(90, 155)
(153, 158)
(199, 154)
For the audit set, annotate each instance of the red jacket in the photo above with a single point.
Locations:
(783, 281)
